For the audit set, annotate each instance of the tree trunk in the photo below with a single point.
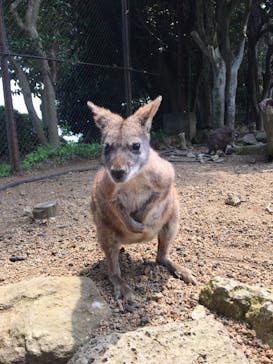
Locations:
(231, 87)
(203, 97)
(267, 76)
(218, 90)
(29, 26)
(49, 111)
(24, 84)
(267, 117)
(167, 80)
(253, 113)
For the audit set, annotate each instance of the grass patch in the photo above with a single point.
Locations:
(4, 169)
(61, 154)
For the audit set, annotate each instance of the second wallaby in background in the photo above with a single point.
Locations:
(133, 196)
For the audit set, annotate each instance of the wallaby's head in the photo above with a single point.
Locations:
(125, 141)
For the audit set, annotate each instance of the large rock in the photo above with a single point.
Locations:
(202, 340)
(257, 149)
(241, 302)
(261, 136)
(248, 139)
(45, 319)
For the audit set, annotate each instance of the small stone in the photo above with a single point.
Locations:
(71, 245)
(233, 199)
(190, 155)
(265, 360)
(269, 209)
(27, 212)
(229, 275)
(220, 160)
(16, 258)
(199, 312)
(157, 296)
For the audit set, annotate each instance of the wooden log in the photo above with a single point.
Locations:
(257, 149)
(45, 210)
(266, 107)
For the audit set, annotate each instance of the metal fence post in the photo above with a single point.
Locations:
(10, 122)
(126, 55)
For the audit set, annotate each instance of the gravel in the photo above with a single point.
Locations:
(214, 239)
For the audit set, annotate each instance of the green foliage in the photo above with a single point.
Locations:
(40, 154)
(63, 153)
(4, 169)
(27, 138)
(56, 37)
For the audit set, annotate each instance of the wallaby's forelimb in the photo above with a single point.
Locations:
(129, 221)
(140, 214)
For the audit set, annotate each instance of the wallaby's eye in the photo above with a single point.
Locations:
(135, 147)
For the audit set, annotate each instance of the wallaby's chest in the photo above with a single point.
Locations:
(133, 196)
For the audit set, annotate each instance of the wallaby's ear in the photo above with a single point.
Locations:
(101, 115)
(146, 113)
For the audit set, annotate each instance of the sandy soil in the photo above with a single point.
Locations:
(213, 239)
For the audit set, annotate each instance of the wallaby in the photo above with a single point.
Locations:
(220, 138)
(133, 196)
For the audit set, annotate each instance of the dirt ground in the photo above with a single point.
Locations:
(213, 239)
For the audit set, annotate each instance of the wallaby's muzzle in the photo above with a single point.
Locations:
(118, 175)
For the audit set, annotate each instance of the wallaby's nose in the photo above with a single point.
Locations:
(118, 174)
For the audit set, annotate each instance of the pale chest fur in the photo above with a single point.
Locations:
(134, 194)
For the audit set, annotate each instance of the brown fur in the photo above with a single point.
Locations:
(220, 138)
(143, 206)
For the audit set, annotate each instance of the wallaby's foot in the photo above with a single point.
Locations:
(178, 271)
(121, 289)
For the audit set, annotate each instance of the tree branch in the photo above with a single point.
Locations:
(24, 84)
(200, 18)
(201, 44)
(32, 16)
(13, 9)
(248, 6)
(239, 57)
(266, 28)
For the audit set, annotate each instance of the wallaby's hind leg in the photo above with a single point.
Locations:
(121, 288)
(165, 237)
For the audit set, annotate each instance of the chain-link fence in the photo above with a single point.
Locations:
(66, 52)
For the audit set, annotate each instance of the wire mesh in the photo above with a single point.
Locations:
(79, 45)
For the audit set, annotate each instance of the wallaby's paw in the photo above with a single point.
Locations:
(138, 216)
(185, 274)
(137, 227)
(178, 271)
(122, 290)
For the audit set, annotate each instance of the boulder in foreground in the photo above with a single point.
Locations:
(202, 340)
(241, 302)
(45, 319)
